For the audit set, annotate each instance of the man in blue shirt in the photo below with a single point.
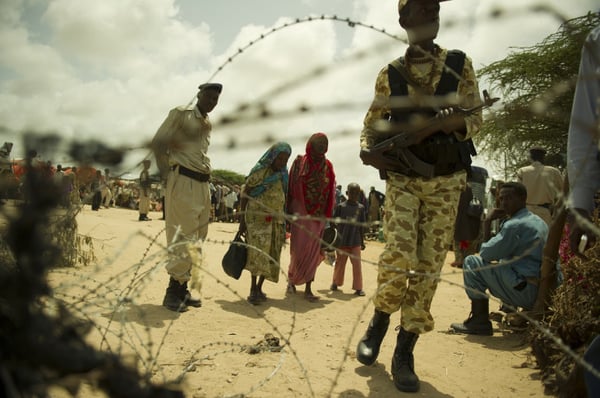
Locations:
(508, 264)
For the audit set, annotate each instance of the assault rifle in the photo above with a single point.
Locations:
(381, 157)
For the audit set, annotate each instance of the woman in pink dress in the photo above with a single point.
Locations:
(311, 197)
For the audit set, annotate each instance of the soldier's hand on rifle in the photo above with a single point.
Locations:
(451, 120)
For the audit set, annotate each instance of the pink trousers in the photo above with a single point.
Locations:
(340, 266)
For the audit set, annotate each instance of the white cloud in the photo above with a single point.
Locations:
(127, 37)
(112, 69)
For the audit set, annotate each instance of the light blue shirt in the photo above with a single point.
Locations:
(520, 242)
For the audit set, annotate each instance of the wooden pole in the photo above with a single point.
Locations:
(550, 256)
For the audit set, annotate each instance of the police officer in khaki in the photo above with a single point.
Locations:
(181, 149)
(419, 209)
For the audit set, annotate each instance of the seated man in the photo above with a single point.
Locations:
(508, 265)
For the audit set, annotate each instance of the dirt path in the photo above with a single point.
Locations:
(213, 343)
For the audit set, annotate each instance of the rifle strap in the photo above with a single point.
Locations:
(398, 64)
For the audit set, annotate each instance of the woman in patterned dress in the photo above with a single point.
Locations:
(262, 205)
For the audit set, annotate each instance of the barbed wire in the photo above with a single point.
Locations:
(152, 259)
(108, 296)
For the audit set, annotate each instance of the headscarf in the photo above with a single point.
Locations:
(317, 180)
(266, 161)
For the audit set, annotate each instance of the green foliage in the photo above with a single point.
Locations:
(537, 86)
(227, 177)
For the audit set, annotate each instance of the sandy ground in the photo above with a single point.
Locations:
(206, 349)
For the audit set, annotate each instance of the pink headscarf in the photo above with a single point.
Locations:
(312, 180)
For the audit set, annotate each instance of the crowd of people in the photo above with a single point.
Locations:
(77, 186)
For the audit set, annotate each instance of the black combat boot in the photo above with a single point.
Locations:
(478, 321)
(368, 346)
(174, 296)
(188, 299)
(403, 362)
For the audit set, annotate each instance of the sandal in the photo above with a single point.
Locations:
(311, 298)
(291, 289)
(253, 299)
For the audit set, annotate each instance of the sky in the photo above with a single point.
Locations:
(111, 70)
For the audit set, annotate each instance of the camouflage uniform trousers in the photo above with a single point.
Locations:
(418, 228)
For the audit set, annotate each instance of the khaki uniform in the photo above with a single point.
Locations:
(144, 206)
(187, 201)
(544, 185)
(419, 212)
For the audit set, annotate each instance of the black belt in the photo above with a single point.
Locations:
(194, 175)
(545, 205)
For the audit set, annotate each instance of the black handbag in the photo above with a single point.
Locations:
(234, 260)
(475, 208)
(330, 239)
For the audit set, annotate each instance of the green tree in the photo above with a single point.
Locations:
(228, 177)
(536, 85)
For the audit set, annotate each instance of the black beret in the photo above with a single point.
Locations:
(211, 86)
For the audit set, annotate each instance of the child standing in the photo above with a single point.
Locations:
(351, 239)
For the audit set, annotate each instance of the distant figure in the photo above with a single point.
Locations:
(339, 195)
(222, 205)
(63, 186)
(375, 201)
(352, 240)
(230, 200)
(145, 185)
(5, 162)
(516, 252)
(263, 206)
(107, 194)
(6, 172)
(471, 207)
(466, 227)
(478, 181)
(311, 193)
(96, 190)
(544, 184)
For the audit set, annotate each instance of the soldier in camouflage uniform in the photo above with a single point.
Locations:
(419, 211)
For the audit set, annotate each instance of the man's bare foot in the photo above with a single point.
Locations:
(261, 296)
(254, 298)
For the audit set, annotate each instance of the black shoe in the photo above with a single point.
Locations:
(403, 362)
(368, 347)
(173, 303)
(478, 322)
(474, 326)
(188, 299)
(173, 297)
(360, 293)
(333, 287)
